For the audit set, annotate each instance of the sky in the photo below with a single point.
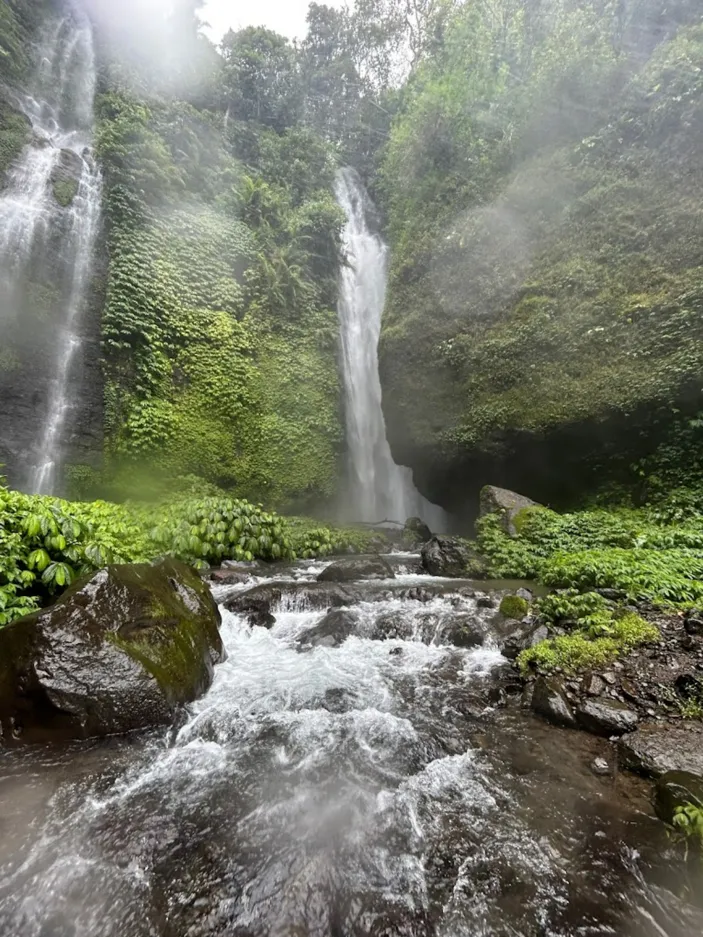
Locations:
(284, 16)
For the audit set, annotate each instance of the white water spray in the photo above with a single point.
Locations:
(38, 234)
(379, 489)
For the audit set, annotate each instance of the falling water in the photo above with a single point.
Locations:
(46, 249)
(380, 489)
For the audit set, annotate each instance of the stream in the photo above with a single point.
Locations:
(382, 788)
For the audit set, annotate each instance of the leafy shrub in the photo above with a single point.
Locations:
(688, 820)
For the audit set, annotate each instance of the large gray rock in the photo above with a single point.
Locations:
(452, 558)
(506, 504)
(330, 631)
(655, 749)
(606, 717)
(357, 568)
(549, 701)
(120, 650)
(514, 637)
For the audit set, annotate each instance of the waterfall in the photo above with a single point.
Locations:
(378, 488)
(49, 217)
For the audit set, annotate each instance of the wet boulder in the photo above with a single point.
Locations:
(465, 631)
(655, 749)
(357, 568)
(416, 532)
(452, 558)
(330, 631)
(506, 504)
(606, 717)
(549, 701)
(677, 789)
(120, 650)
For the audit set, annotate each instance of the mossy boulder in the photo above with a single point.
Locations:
(514, 606)
(512, 508)
(66, 176)
(121, 650)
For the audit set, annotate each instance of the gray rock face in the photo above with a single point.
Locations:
(449, 557)
(331, 631)
(654, 750)
(357, 568)
(549, 701)
(606, 717)
(504, 503)
(120, 650)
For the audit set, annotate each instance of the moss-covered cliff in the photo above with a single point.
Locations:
(545, 312)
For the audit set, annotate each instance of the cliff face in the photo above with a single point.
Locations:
(545, 319)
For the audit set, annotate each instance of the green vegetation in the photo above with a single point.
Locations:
(46, 543)
(688, 821)
(635, 552)
(578, 651)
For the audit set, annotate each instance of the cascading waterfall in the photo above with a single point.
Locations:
(46, 245)
(379, 489)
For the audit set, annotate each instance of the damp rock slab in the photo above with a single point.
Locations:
(120, 650)
(656, 749)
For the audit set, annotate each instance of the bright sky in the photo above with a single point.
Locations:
(285, 16)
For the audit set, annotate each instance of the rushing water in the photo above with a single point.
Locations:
(378, 488)
(368, 790)
(46, 249)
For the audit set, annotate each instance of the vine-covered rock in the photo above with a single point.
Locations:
(121, 650)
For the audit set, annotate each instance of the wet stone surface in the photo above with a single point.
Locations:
(385, 787)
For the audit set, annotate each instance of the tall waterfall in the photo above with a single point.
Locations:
(49, 217)
(379, 489)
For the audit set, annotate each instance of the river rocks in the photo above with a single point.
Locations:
(549, 701)
(606, 717)
(228, 577)
(120, 650)
(451, 558)
(416, 532)
(654, 750)
(677, 789)
(693, 622)
(506, 504)
(600, 767)
(357, 568)
(330, 631)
